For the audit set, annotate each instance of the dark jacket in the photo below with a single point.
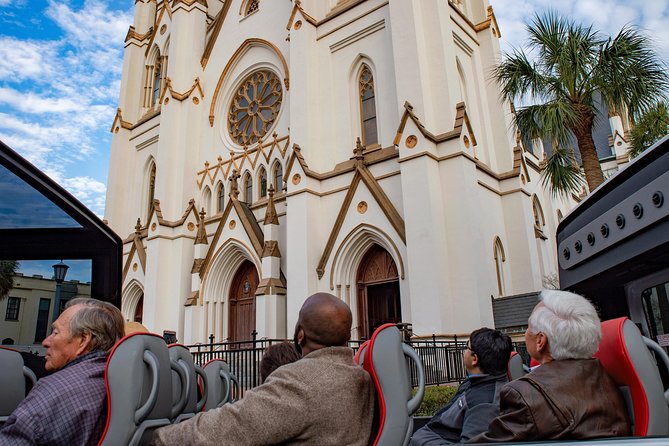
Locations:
(468, 414)
(571, 399)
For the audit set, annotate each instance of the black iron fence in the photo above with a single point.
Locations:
(442, 358)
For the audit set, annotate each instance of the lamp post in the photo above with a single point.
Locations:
(59, 271)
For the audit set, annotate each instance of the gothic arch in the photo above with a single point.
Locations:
(216, 283)
(148, 189)
(353, 247)
(132, 295)
(363, 64)
(206, 201)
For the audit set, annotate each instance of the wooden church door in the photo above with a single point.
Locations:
(243, 302)
(378, 291)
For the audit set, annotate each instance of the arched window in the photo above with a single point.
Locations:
(248, 189)
(151, 193)
(500, 258)
(251, 7)
(156, 69)
(263, 182)
(539, 220)
(367, 106)
(220, 198)
(206, 199)
(278, 177)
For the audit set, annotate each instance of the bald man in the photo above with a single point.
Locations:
(324, 398)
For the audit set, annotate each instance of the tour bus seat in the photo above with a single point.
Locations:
(13, 374)
(139, 390)
(360, 354)
(624, 355)
(222, 385)
(181, 357)
(385, 361)
(516, 368)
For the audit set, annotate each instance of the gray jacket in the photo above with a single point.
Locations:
(468, 414)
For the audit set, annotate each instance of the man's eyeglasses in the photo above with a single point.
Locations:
(468, 347)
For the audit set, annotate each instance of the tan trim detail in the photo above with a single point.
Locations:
(256, 261)
(519, 162)
(462, 15)
(371, 157)
(307, 17)
(271, 286)
(271, 217)
(490, 20)
(119, 119)
(176, 223)
(132, 34)
(201, 237)
(363, 174)
(328, 17)
(237, 160)
(218, 24)
(354, 230)
(149, 115)
(197, 266)
(461, 121)
(501, 194)
(271, 249)
(181, 96)
(192, 299)
(137, 247)
(190, 2)
(233, 60)
(165, 237)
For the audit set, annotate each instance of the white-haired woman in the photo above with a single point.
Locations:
(569, 396)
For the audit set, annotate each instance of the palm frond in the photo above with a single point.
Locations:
(550, 120)
(561, 175)
(649, 128)
(518, 76)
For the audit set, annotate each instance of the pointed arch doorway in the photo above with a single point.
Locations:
(139, 310)
(378, 291)
(243, 302)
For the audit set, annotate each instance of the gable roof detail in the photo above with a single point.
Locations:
(119, 119)
(249, 223)
(461, 122)
(363, 174)
(136, 248)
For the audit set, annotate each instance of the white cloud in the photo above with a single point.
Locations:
(58, 96)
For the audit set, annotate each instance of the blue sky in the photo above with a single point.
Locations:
(61, 61)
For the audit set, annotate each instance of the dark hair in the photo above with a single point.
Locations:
(275, 356)
(493, 349)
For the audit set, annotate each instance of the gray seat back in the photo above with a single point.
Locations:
(222, 385)
(184, 398)
(385, 359)
(516, 367)
(139, 390)
(12, 381)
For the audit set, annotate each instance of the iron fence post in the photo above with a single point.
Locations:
(254, 334)
(211, 347)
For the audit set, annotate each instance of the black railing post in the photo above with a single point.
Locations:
(211, 347)
(255, 359)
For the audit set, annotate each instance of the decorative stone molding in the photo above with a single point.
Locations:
(181, 96)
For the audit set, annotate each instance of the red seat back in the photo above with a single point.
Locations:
(624, 355)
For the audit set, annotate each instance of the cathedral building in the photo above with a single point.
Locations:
(265, 150)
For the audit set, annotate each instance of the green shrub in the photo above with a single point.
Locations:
(435, 398)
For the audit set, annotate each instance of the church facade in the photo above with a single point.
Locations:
(267, 150)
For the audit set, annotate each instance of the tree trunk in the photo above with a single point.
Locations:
(586, 146)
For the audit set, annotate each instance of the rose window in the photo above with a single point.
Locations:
(254, 107)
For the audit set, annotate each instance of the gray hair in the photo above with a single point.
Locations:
(101, 319)
(570, 323)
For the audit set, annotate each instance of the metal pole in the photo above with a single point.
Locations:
(56, 304)
(255, 359)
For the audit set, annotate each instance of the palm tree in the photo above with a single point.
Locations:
(572, 64)
(7, 270)
(651, 126)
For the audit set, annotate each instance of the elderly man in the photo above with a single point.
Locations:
(476, 403)
(68, 407)
(322, 399)
(569, 396)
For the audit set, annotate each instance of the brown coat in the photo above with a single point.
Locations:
(322, 399)
(571, 399)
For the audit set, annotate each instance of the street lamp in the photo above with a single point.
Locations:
(59, 271)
